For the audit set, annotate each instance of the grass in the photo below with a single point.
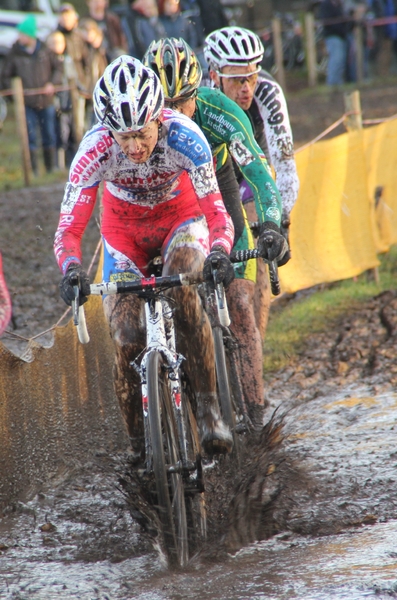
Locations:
(292, 323)
(11, 170)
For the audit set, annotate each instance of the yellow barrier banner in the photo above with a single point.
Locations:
(380, 144)
(332, 231)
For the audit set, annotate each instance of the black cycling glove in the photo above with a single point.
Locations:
(75, 275)
(219, 260)
(272, 245)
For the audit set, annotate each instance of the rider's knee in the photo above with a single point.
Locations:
(183, 259)
(125, 316)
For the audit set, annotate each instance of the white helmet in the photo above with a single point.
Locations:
(128, 96)
(232, 46)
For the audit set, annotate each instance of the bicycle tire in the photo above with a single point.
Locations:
(196, 510)
(169, 486)
(223, 378)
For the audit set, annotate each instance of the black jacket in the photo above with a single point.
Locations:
(333, 9)
(35, 70)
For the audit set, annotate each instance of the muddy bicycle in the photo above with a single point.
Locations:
(172, 448)
(229, 387)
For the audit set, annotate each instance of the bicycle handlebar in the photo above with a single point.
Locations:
(160, 283)
(244, 255)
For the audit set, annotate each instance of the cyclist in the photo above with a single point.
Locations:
(160, 196)
(5, 301)
(229, 133)
(234, 55)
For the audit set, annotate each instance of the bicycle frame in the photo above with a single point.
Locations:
(160, 336)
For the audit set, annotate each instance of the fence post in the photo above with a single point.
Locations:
(278, 52)
(354, 122)
(20, 116)
(78, 105)
(311, 49)
(358, 41)
(353, 105)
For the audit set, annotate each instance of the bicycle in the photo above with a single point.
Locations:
(230, 391)
(172, 447)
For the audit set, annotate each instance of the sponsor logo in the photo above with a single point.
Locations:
(267, 93)
(92, 159)
(218, 122)
(188, 142)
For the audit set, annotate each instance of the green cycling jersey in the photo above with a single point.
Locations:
(228, 129)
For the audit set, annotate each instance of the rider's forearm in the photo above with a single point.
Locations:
(76, 210)
(220, 224)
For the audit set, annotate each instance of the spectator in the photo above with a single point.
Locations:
(385, 35)
(38, 67)
(176, 24)
(212, 14)
(115, 40)
(97, 60)
(76, 47)
(5, 301)
(335, 35)
(63, 102)
(144, 26)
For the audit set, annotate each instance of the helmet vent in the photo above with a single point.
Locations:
(142, 118)
(122, 83)
(142, 99)
(125, 111)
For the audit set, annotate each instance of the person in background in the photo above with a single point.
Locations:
(39, 68)
(143, 26)
(5, 301)
(336, 39)
(385, 36)
(63, 102)
(76, 47)
(114, 38)
(234, 56)
(176, 24)
(97, 61)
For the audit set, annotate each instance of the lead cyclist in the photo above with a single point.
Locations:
(160, 197)
(229, 133)
(234, 55)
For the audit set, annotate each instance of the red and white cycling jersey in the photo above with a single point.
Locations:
(179, 169)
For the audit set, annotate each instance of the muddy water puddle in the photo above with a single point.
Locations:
(337, 542)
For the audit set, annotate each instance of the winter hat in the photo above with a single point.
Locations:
(28, 26)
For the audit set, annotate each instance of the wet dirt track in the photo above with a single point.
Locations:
(322, 497)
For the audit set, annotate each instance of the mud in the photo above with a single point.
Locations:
(310, 511)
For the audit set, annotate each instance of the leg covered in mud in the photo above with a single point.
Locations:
(194, 341)
(262, 289)
(126, 319)
(240, 296)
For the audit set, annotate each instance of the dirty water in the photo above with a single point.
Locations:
(337, 540)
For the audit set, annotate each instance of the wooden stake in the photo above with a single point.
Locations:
(311, 58)
(278, 52)
(20, 117)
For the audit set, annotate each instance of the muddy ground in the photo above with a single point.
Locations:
(328, 402)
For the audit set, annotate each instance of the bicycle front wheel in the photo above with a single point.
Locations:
(169, 482)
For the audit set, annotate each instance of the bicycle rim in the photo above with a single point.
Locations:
(195, 502)
(169, 486)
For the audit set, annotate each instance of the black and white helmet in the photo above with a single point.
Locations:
(232, 46)
(128, 96)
